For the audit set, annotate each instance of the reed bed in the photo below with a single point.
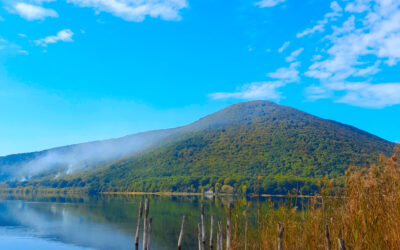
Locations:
(366, 215)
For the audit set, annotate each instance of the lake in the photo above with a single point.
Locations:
(100, 222)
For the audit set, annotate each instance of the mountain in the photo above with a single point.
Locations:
(248, 145)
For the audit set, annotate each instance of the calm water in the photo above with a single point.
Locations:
(107, 222)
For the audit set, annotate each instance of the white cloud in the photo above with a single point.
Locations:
(356, 48)
(269, 3)
(320, 26)
(33, 12)
(266, 89)
(24, 52)
(293, 56)
(62, 36)
(373, 95)
(255, 90)
(360, 94)
(136, 10)
(287, 74)
(284, 46)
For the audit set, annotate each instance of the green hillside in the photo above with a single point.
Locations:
(247, 146)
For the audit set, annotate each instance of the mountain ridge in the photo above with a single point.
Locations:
(231, 147)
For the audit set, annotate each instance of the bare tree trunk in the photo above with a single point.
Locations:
(181, 233)
(228, 229)
(220, 237)
(280, 234)
(138, 226)
(199, 235)
(341, 244)
(148, 240)
(211, 232)
(327, 239)
(146, 214)
(245, 232)
(203, 228)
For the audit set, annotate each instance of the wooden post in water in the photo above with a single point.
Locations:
(211, 232)
(146, 214)
(138, 226)
(181, 233)
(245, 232)
(199, 235)
(280, 234)
(148, 240)
(228, 229)
(341, 244)
(327, 240)
(220, 236)
(203, 228)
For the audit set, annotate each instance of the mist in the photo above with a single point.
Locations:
(75, 158)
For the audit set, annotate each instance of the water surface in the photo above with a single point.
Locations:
(103, 222)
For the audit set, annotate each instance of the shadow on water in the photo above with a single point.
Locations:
(103, 222)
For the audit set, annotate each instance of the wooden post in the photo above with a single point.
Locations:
(146, 214)
(199, 235)
(228, 229)
(203, 228)
(341, 244)
(219, 237)
(138, 226)
(211, 232)
(148, 240)
(245, 232)
(181, 233)
(280, 234)
(327, 240)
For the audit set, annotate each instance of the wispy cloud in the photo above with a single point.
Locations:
(320, 26)
(133, 10)
(357, 48)
(33, 12)
(293, 56)
(284, 46)
(266, 89)
(62, 36)
(255, 90)
(287, 74)
(268, 3)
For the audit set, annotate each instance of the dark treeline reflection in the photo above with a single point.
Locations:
(105, 222)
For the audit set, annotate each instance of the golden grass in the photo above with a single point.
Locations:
(365, 216)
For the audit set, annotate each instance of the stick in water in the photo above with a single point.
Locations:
(149, 235)
(280, 234)
(220, 244)
(199, 235)
(341, 244)
(327, 240)
(211, 232)
(228, 229)
(181, 233)
(203, 228)
(146, 214)
(138, 225)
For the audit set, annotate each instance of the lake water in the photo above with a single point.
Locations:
(106, 222)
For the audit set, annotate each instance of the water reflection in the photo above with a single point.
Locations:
(96, 223)
(103, 222)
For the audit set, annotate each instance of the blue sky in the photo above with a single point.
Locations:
(81, 70)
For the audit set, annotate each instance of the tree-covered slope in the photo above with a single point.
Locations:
(247, 145)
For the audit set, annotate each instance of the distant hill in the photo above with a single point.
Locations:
(246, 146)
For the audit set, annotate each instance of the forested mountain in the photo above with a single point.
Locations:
(246, 146)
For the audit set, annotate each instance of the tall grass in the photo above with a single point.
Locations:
(366, 215)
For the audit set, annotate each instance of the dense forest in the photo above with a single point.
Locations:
(248, 147)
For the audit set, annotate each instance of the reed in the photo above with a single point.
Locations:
(366, 215)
